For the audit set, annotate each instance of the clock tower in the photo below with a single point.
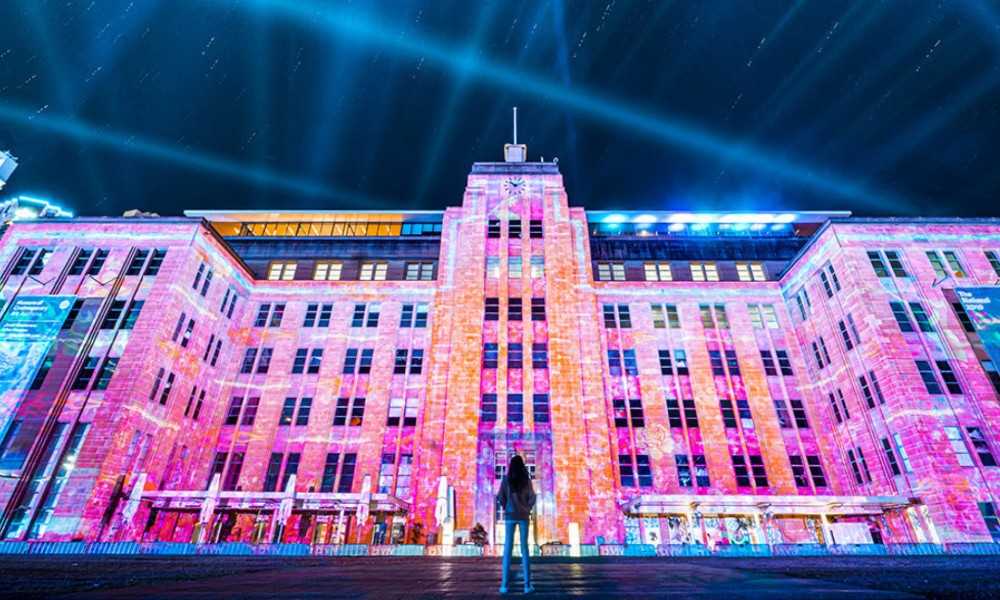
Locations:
(516, 366)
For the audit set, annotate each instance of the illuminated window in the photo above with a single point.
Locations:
(958, 445)
(658, 271)
(514, 270)
(327, 271)
(373, 271)
(750, 271)
(537, 267)
(492, 267)
(281, 271)
(610, 271)
(994, 259)
(665, 314)
(423, 271)
(704, 271)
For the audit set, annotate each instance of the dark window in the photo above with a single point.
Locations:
(365, 364)
(233, 413)
(836, 408)
(666, 368)
(250, 414)
(248, 359)
(491, 356)
(74, 312)
(188, 332)
(635, 412)
(416, 361)
(539, 356)
(799, 471)
(107, 371)
(625, 472)
(732, 363)
(921, 316)
(784, 364)
(877, 263)
(374, 311)
(890, 456)
(493, 228)
(643, 470)
(80, 262)
(488, 408)
(981, 446)
(358, 320)
(86, 373)
(310, 318)
(178, 327)
(799, 413)
(728, 413)
(715, 358)
(156, 383)
(515, 356)
(848, 342)
(42, 373)
(347, 473)
(350, 361)
(757, 467)
(218, 466)
(674, 413)
(927, 376)
(329, 473)
(273, 471)
(265, 360)
(276, 315)
(156, 261)
(137, 262)
(302, 417)
(287, 412)
(949, 377)
(401, 359)
(514, 228)
(784, 419)
(515, 408)
(538, 309)
(299, 362)
(741, 471)
(315, 361)
(233, 475)
(168, 386)
(541, 407)
(770, 369)
(895, 263)
(262, 311)
(963, 317)
(133, 314)
(492, 309)
(406, 316)
(114, 314)
(515, 309)
(340, 411)
(536, 228)
(866, 391)
(421, 317)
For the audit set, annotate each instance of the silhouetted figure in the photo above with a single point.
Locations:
(517, 498)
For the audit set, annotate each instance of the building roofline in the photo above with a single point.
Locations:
(881, 221)
(296, 215)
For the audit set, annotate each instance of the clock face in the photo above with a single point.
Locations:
(513, 187)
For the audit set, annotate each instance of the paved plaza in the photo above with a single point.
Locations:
(427, 577)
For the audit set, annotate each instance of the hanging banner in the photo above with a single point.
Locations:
(983, 306)
(27, 331)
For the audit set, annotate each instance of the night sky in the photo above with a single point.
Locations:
(880, 108)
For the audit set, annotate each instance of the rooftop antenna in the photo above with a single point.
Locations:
(515, 152)
(515, 125)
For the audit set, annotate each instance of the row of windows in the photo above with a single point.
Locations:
(515, 228)
(749, 471)
(947, 263)
(369, 271)
(329, 229)
(515, 408)
(88, 261)
(365, 315)
(515, 309)
(664, 271)
(515, 267)
(309, 361)
(515, 356)
(713, 316)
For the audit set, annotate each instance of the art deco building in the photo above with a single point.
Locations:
(334, 376)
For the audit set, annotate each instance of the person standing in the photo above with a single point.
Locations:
(517, 497)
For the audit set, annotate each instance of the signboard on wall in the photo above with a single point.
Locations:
(983, 306)
(28, 328)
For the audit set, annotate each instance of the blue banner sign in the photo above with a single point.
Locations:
(983, 306)
(28, 328)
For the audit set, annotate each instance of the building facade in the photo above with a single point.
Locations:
(331, 377)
